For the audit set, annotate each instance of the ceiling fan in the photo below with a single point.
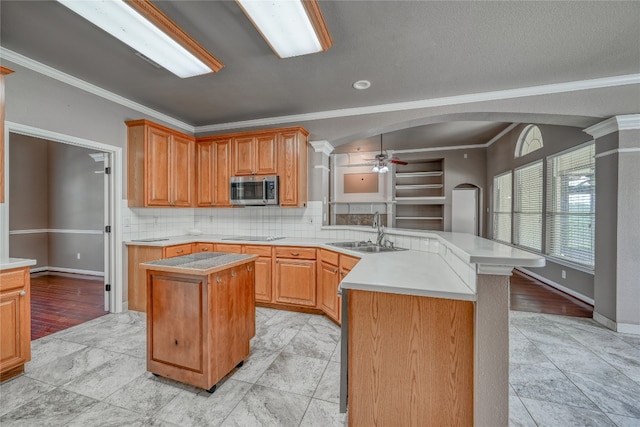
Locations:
(381, 160)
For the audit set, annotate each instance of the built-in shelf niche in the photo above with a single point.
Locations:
(419, 195)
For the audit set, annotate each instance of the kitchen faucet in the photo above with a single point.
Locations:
(377, 224)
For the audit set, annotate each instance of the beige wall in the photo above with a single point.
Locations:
(53, 187)
(500, 158)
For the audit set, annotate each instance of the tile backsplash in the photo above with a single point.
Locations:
(142, 223)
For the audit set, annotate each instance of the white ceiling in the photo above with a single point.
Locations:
(421, 52)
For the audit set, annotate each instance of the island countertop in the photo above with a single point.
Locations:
(201, 264)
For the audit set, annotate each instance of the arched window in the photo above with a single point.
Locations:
(530, 140)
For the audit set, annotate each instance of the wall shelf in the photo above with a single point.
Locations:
(419, 195)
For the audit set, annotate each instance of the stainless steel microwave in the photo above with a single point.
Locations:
(254, 190)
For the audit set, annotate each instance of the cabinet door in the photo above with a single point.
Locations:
(15, 317)
(205, 173)
(289, 174)
(181, 171)
(222, 173)
(328, 294)
(265, 156)
(213, 160)
(158, 166)
(243, 155)
(176, 321)
(263, 279)
(296, 281)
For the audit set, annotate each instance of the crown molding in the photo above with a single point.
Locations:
(614, 124)
(628, 79)
(48, 71)
(323, 147)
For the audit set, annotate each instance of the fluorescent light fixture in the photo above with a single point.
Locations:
(147, 30)
(290, 27)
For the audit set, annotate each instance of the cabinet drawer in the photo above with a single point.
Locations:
(329, 257)
(264, 251)
(177, 250)
(228, 248)
(203, 247)
(295, 252)
(12, 279)
(348, 262)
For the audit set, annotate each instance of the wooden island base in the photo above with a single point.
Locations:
(410, 360)
(199, 325)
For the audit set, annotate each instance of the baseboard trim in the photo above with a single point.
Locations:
(68, 270)
(625, 328)
(558, 286)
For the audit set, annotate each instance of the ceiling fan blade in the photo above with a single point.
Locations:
(397, 161)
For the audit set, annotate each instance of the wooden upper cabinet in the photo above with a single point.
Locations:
(255, 155)
(213, 171)
(160, 166)
(292, 168)
(3, 71)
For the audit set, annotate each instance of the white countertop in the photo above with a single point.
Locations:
(9, 263)
(408, 272)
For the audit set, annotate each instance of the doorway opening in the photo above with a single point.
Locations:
(93, 241)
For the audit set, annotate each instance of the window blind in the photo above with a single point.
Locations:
(502, 207)
(571, 206)
(527, 206)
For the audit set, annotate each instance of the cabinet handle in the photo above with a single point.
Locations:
(342, 272)
(23, 293)
(249, 268)
(233, 273)
(335, 270)
(218, 279)
(180, 251)
(295, 253)
(213, 203)
(205, 249)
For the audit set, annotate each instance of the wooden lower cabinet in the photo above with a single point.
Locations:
(263, 270)
(333, 268)
(137, 279)
(15, 318)
(295, 281)
(199, 327)
(410, 360)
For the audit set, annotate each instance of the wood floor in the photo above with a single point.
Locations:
(60, 300)
(530, 294)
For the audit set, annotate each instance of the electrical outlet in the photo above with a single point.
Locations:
(78, 255)
(564, 274)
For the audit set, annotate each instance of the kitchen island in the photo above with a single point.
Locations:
(200, 316)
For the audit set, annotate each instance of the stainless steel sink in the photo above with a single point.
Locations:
(376, 249)
(352, 245)
(368, 247)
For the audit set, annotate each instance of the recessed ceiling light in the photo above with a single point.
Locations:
(362, 84)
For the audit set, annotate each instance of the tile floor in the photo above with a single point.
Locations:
(564, 371)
